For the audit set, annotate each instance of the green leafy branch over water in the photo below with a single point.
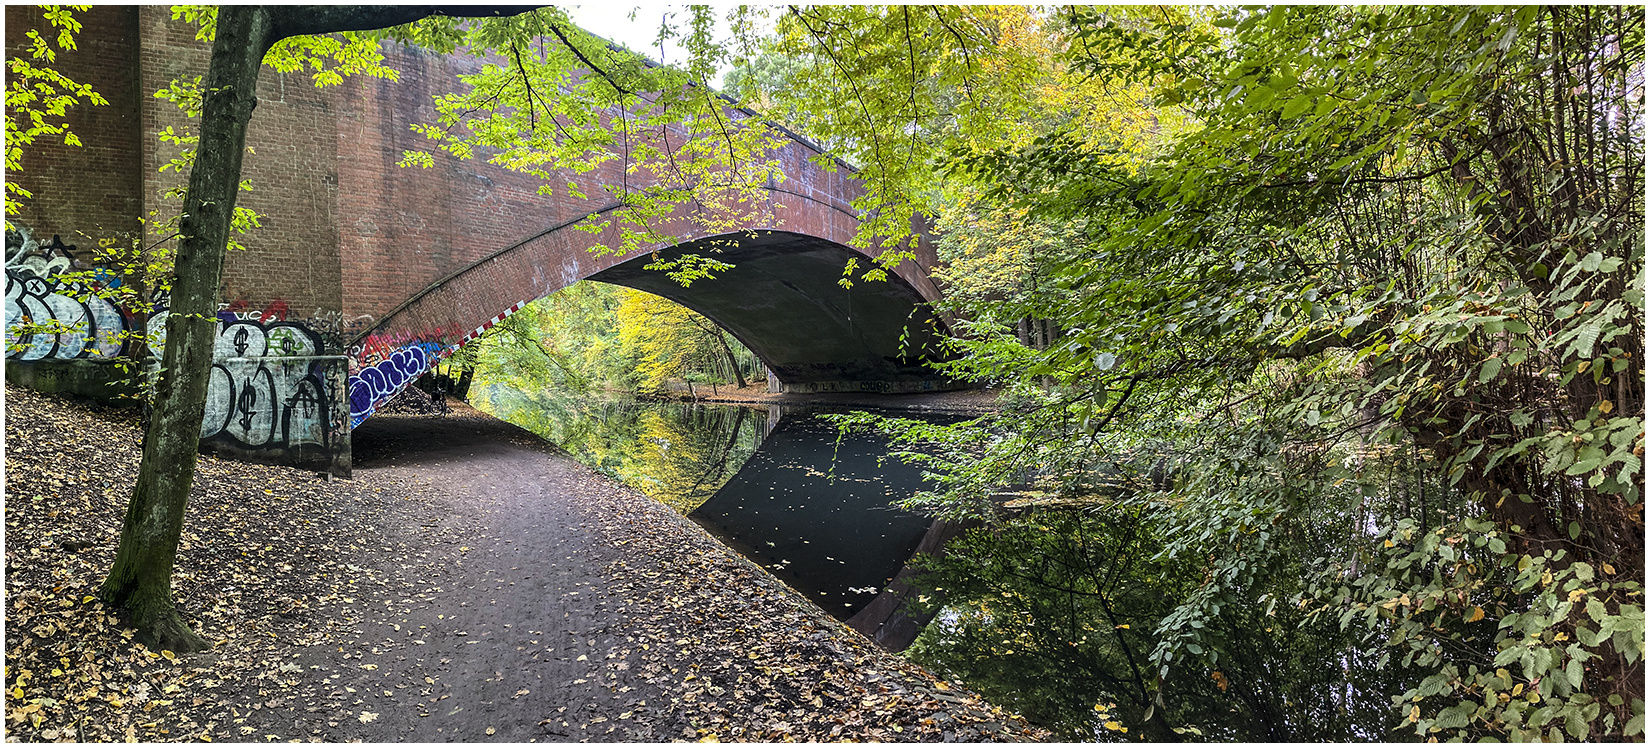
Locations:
(1356, 326)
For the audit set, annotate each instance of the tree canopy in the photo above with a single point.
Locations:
(1384, 263)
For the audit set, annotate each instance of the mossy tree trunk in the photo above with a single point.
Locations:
(140, 584)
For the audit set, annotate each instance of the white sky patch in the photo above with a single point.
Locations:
(613, 20)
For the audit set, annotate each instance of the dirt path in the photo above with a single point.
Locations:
(502, 632)
(470, 584)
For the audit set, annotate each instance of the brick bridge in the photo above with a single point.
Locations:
(364, 273)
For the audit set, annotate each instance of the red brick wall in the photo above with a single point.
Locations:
(93, 191)
(292, 259)
(347, 235)
(404, 228)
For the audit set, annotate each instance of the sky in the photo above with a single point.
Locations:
(612, 20)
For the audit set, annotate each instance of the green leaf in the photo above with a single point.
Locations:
(1491, 368)
(1296, 106)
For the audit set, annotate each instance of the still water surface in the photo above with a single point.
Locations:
(775, 484)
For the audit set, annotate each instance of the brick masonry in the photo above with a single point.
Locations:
(93, 191)
(352, 245)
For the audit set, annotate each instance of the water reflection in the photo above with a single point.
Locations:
(815, 511)
(777, 485)
(677, 453)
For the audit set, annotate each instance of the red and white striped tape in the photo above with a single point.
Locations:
(485, 326)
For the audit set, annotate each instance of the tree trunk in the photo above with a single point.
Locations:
(733, 363)
(140, 583)
(462, 389)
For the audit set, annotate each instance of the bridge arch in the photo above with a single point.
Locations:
(782, 299)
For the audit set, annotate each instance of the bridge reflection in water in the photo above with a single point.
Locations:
(775, 484)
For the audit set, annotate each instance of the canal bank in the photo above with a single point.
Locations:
(470, 584)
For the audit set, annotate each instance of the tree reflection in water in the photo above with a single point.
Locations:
(677, 453)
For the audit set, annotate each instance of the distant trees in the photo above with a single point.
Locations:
(593, 335)
(668, 340)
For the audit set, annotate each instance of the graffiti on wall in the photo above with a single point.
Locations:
(268, 387)
(372, 386)
(382, 364)
(81, 324)
(273, 393)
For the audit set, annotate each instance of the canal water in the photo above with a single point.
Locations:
(777, 484)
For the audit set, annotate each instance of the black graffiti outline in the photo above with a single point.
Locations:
(236, 397)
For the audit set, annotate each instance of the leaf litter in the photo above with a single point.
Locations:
(287, 573)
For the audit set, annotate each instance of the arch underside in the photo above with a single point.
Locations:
(783, 300)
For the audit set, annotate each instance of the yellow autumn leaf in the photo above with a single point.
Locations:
(1113, 726)
(1606, 406)
(1476, 614)
(1608, 569)
(1415, 713)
